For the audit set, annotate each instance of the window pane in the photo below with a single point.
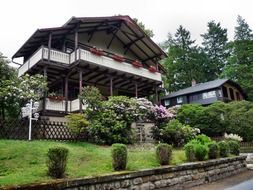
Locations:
(231, 91)
(166, 102)
(210, 94)
(180, 99)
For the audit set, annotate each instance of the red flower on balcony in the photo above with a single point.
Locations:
(137, 64)
(56, 98)
(96, 51)
(118, 58)
(152, 69)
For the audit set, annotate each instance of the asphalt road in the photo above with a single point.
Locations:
(242, 181)
(247, 185)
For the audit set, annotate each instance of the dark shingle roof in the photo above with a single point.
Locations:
(197, 88)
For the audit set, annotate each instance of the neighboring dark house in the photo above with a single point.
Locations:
(206, 93)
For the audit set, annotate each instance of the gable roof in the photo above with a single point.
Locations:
(202, 87)
(124, 28)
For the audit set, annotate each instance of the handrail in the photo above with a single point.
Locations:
(41, 47)
(67, 58)
(107, 53)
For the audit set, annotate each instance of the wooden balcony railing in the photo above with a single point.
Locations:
(56, 105)
(82, 54)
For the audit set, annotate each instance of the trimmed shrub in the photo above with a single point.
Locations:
(213, 152)
(164, 153)
(119, 156)
(78, 124)
(224, 148)
(234, 147)
(57, 161)
(174, 132)
(189, 152)
(203, 139)
(200, 151)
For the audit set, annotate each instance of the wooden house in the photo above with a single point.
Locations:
(112, 53)
(206, 93)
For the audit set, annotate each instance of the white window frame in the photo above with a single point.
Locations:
(167, 102)
(210, 94)
(180, 99)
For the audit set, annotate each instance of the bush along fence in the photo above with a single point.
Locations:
(166, 177)
(42, 129)
(50, 130)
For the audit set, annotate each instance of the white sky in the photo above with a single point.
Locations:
(20, 18)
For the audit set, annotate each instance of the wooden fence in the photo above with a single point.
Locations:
(42, 129)
(245, 147)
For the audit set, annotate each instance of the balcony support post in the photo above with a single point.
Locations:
(49, 45)
(111, 86)
(76, 43)
(136, 90)
(156, 95)
(66, 94)
(80, 89)
(45, 93)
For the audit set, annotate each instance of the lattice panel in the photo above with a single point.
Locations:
(42, 129)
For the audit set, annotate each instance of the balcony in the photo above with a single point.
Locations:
(59, 106)
(85, 55)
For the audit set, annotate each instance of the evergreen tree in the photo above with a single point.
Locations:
(240, 63)
(149, 32)
(242, 30)
(214, 45)
(184, 62)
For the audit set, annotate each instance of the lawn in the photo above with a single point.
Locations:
(24, 162)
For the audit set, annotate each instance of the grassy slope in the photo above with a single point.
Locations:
(24, 162)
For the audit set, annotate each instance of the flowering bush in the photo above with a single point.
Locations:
(144, 108)
(15, 92)
(160, 112)
(233, 137)
(174, 109)
(161, 115)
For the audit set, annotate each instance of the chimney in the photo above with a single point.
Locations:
(194, 82)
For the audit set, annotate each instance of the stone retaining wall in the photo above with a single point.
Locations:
(168, 177)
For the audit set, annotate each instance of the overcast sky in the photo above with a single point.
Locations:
(20, 18)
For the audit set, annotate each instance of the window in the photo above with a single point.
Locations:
(166, 102)
(179, 99)
(219, 93)
(195, 97)
(231, 92)
(210, 94)
(238, 96)
(225, 92)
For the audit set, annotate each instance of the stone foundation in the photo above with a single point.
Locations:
(162, 178)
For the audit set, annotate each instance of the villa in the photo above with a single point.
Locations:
(112, 53)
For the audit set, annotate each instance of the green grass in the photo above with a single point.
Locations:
(24, 162)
